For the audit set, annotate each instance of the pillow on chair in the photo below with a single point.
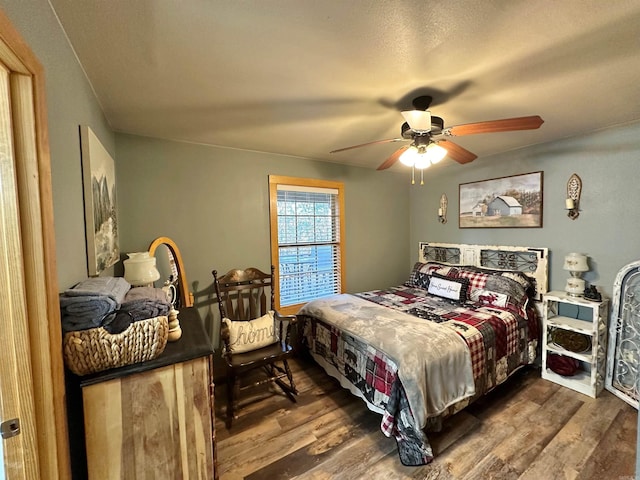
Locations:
(251, 335)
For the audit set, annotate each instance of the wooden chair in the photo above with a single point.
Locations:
(242, 298)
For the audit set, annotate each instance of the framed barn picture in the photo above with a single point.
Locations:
(505, 202)
(100, 207)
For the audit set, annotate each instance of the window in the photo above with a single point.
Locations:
(307, 239)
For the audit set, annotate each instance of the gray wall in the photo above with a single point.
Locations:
(180, 190)
(70, 103)
(607, 229)
(214, 203)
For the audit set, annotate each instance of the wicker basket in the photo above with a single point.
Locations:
(95, 350)
(572, 341)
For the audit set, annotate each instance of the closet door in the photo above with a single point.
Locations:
(623, 354)
(16, 385)
(31, 364)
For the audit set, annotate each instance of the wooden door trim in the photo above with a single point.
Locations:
(38, 239)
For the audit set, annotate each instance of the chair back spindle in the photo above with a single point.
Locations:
(242, 294)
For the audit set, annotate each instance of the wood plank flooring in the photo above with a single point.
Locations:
(527, 429)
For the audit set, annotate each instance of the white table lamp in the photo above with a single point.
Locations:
(576, 265)
(140, 269)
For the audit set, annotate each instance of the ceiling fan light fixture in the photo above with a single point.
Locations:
(435, 153)
(418, 120)
(422, 156)
(422, 162)
(409, 156)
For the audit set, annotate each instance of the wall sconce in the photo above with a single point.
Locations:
(442, 209)
(572, 203)
(576, 265)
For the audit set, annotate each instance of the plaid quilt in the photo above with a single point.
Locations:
(499, 342)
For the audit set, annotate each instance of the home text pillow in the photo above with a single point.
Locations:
(251, 335)
(453, 289)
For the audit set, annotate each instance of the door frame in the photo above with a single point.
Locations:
(35, 198)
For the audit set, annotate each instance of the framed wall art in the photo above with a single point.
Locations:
(505, 202)
(100, 207)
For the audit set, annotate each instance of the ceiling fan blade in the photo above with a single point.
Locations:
(369, 143)
(457, 153)
(389, 162)
(491, 126)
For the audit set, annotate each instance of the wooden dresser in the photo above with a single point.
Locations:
(154, 419)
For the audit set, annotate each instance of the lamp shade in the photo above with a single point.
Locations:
(140, 269)
(576, 262)
(408, 157)
(422, 162)
(435, 153)
(418, 120)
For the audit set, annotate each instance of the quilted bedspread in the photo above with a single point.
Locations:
(436, 378)
(400, 350)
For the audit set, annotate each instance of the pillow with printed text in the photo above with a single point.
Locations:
(251, 335)
(451, 288)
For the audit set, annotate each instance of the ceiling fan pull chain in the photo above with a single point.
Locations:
(413, 175)
(422, 177)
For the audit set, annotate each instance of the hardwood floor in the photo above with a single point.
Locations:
(527, 429)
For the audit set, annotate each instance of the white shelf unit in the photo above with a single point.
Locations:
(576, 314)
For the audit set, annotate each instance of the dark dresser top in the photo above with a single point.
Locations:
(193, 343)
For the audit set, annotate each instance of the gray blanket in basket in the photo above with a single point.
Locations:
(145, 302)
(91, 302)
(115, 288)
(88, 311)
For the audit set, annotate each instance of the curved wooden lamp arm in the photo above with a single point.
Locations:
(186, 297)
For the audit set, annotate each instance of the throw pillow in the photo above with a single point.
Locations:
(251, 335)
(418, 270)
(488, 298)
(422, 280)
(453, 289)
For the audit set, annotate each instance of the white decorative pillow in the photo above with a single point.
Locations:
(453, 289)
(489, 298)
(251, 335)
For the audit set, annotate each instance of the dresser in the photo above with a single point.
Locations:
(154, 419)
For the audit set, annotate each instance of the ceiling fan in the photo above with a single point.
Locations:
(427, 135)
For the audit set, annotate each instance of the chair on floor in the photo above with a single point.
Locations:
(254, 336)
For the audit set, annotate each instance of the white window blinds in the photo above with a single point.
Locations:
(308, 243)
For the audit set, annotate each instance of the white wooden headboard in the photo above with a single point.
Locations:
(531, 261)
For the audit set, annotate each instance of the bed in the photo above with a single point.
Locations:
(465, 320)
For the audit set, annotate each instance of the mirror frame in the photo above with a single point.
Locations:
(186, 297)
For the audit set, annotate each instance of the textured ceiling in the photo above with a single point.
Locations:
(303, 77)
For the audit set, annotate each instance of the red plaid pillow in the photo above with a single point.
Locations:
(476, 279)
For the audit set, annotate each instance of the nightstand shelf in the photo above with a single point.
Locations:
(580, 382)
(583, 357)
(572, 324)
(575, 314)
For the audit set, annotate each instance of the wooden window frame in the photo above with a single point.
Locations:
(274, 181)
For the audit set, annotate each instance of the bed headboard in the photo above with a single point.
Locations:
(533, 262)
